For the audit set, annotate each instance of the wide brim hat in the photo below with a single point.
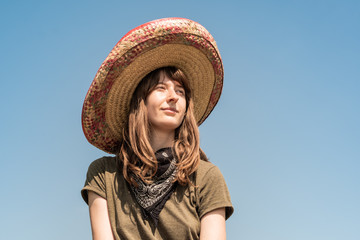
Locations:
(177, 42)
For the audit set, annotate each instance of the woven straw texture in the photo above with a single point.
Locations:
(177, 42)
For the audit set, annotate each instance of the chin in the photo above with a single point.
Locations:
(167, 126)
(170, 126)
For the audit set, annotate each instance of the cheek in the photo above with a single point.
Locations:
(151, 101)
(151, 112)
(184, 105)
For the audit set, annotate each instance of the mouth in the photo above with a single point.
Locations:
(170, 110)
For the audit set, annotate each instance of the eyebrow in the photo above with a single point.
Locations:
(177, 83)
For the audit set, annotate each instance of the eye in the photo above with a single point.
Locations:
(181, 91)
(160, 86)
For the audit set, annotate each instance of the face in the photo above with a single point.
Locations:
(166, 105)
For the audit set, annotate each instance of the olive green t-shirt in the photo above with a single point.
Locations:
(180, 217)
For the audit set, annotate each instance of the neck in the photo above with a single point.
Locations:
(160, 139)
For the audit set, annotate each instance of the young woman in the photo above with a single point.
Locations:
(144, 106)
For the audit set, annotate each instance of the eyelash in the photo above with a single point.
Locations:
(181, 92)
(160, 86)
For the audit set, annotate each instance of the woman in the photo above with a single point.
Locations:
(160, 81)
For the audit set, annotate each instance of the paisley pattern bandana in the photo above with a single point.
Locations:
(152, 197)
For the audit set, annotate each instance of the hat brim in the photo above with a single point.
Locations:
(176, 42)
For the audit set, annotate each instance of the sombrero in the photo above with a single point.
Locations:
(177, 42)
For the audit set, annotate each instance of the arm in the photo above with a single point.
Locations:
(99, 217)
(212, 225)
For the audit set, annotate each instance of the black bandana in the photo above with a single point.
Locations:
(152, 197)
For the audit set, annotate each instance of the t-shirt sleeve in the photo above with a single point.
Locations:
(95, 180)
(213, 193)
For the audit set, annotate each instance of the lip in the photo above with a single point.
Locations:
(173, 110)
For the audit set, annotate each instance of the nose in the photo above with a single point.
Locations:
(172, 96)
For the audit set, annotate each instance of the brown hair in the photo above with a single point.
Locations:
(136, 154)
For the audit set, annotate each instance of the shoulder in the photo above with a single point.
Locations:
(98, 175)
(206, 167)
(208, 174)
(212, 190)
(104, 164)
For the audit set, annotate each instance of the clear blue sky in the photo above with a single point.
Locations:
(285, 134)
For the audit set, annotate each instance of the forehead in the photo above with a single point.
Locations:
(164, 78)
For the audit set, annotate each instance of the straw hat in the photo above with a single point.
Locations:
(177, 42)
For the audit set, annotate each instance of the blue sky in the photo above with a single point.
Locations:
(285, 132)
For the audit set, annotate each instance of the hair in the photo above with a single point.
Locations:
(136, 155)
